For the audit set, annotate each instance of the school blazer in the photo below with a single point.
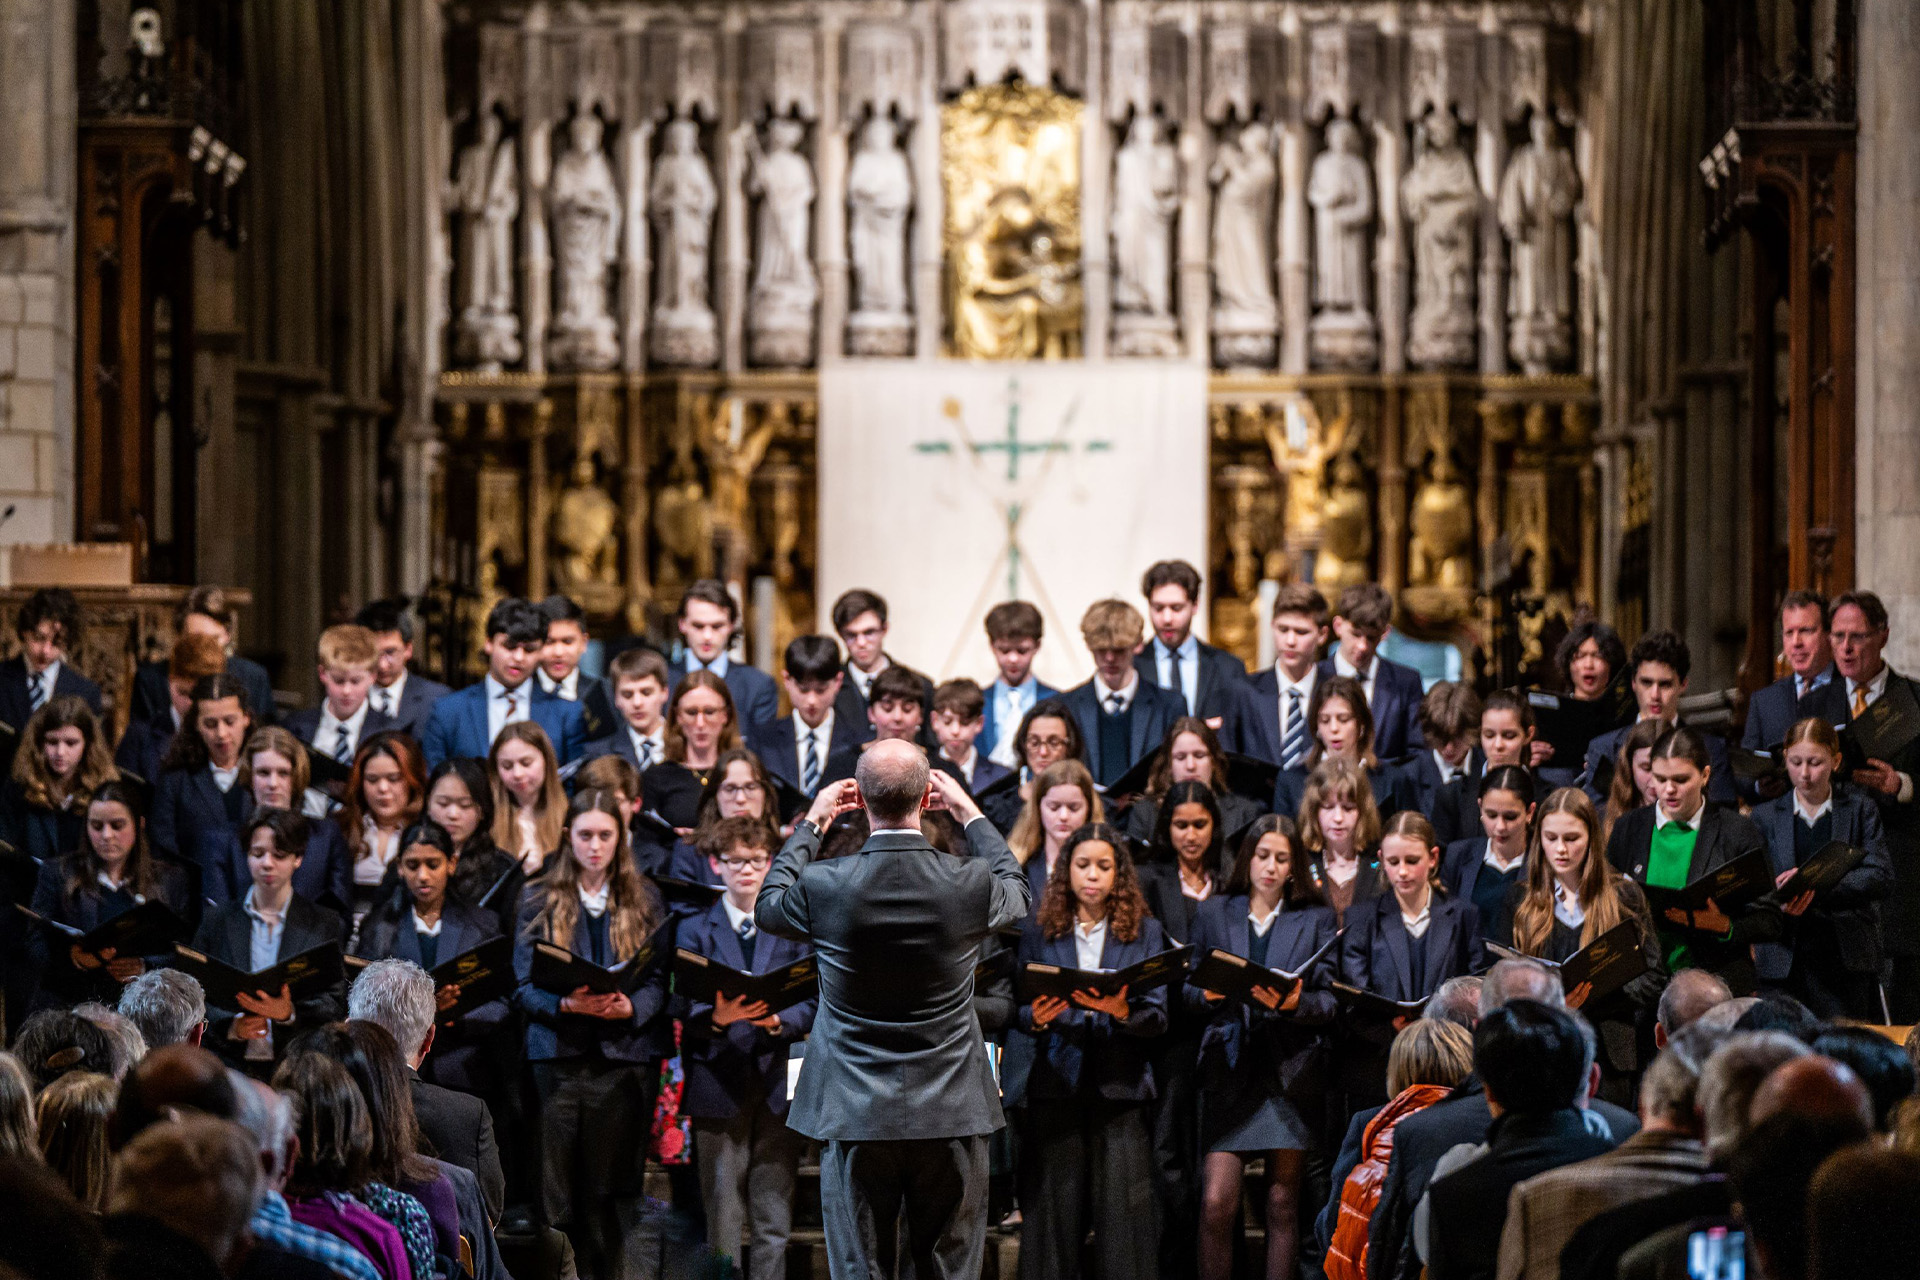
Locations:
(551, 1034)
(1853, 905)
(1376, 953)
(724, 1066)
(43, 834)
(1720, 788)
(153, 700)
(1176, 912)
(1215, 692)
(189, 816)
(417, 702)
(61, 984)
(756, 699)
(387, 934)
(991, 730)
(305, 724)
(326, 869)
(1460, 869)
(143, 747)
(1246, 1048)
(1724, 836)
(226, 934)
(1253, 724)
(1392, 792)
(16, 705)
(457, 726)
(1430, 793)
(1395, 706)
(1901, 914)
(1086, 1051)
(774, 743)
(985, 772)
(1154, 711)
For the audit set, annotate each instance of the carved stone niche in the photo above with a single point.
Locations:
(1245, 74)
(682, 72)
(1344, 66)
(879, 71)
(1146, 72)
(781, 90)
(681, 68)
(1443, 67)
(783, 72)
(1245, 96)
(1541, 73)
(1040, 41)
(1343, 71)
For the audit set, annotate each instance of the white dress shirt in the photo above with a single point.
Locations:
(1876, 687)
(326, 738)
(428, 930)
(47, 679)
(595, 901)
(118, 886)
(1089, 942)
(822, 735)
(1187, 659)
(863, 680)
(1566, 907)
(967, 766)
(1448, 772)
(1011, 703)
(1125, 693)
(1417, 925)
(568, 688)
(1261, 927)
(224, 778)
(382, 848)
(1305, 686)
(642, 742)
(735, 916)
(1800, 808)
(1341, 667)
(498, 716)
(718, 666)
(1660, 818)
(386, 698)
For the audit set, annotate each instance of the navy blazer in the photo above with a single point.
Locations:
(305, 724)
(1376, 954)
(1724, 836)
(991, 730)
(1853, 905)
(1720, 788)
(153, 700)
(325, 875)
(41, 833)
(388, 934)
(226, 934)
(551, 1034)
(1392, 791)
(724, 1066)
(1395, 706)
(457, 726)
(851, 707)
(1083, 1050)
(1423, 776)
(15, 702)
(417, 701)
(756, 698)
(1460, 869)
(985, 772)
(1217, 689)
(62, 985)
(189, 816)
(1154, 711)
(1772, 710)
(779, 750)
(1246, 1048)
(143, 747)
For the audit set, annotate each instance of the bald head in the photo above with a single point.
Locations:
(172, 1079)
(1689, 995)
(1511, 980)
(1815, 1087)
(893, 781)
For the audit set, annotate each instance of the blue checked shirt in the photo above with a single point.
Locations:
(273, 1224)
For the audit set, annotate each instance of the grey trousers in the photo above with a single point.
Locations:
(934, 1189)
(747, 1170)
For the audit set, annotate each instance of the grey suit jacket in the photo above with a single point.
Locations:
(896, 1051)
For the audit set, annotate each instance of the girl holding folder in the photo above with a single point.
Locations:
(1830, 958)
(1088, 1151)
(1263, 1063)
(595, 1057)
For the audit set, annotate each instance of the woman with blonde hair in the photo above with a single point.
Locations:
(529, 802)
(1064, 799)
(72, 1116)
(1632, 784)
(62, 760)
(1340, 834)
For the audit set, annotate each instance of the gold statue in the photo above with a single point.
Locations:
(1439, 554)
(1347, 528)
(584, 523)
(1011, 162)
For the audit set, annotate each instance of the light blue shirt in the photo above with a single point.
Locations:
(718, 666)
(1188, 656)
(266, 935)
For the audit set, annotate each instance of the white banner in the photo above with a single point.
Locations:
(950, 487)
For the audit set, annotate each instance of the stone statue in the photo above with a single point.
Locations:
(487, 193)
(1537, 198)
(1346, 528)
(1340, 189)
(683, 198)
(1246, 316)
(780, 306)
(584, 523)
(879, 201)
(1146, 199)
(586, 241)
(1442, 200)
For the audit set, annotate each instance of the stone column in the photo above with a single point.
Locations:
(423, 144)
(1296, 277)
(929, 195)
(1096, 183)
(1193, 291)
(536, 163)
(830, 205)
(1886, 432)
(734, 241)
(38, 100)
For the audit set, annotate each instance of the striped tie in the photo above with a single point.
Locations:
(810, 766)
(646, 754)
(37, 692)
(382, 703)
(1293, 744)
(343, 747)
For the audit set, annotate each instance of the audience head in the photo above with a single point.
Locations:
(1429, 1051)
(1532, 1057)
(1860, 1218)
(56, 1041)
(1812, 1085)
(127, 1044)
(1773, 1168)
(396, 995)
(1730, 1078)
(1669, 1092)
(167, 1083)
(893, 781)
(199, 1176)
(267, 1117)
(73, 1114)
(371, 1057)
(1878, 1063)
(1457, 1000)
(1511, 980)
(1728, 1013)
(19, 1128)
(331, 1125)
(1689, 994)
(47, 1236)
(1777, 1011)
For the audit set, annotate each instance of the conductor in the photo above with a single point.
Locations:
(896, 1082)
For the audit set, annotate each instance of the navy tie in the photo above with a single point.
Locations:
(810, 766)
(1293, 745)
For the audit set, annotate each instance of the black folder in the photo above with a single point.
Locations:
(702, 978)
(1038, 979)
(1568, 724)
(1609, 962)
(1732, 885)
(312, 970)
(1887, 727)
(1829, 865)
(150, 928)
(688, 892)
(1235, 977)
(1756, 768)
(1376, 1005)
(493, 890)
(558, 970)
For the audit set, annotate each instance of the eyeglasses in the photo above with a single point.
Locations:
(1852, 637)
(736, 790)
(746, 864)
(1046, 744)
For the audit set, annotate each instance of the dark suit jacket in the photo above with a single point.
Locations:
(1395, 706)
(189, 816)
(1418, 1143)
(985, 772)
(325, 875)
(1724, 836)
(726, 1067)
(1900, 919)
(1160, 884)
(227, 935)
(143, 747)
(990, 732)
(1852, 907)
(1720, 788)
(457, 725)
(16, 703)
(1217, 691)
(551, 1034)
(756, 698)
(41, 833)
(416, 704)
(1772, 710)
(1247, 1052)
(463, 1053)
(1376, 953)
(1086, 1052)
(1154, 711)
(153, 701)
(1423, 777)
(898, 928)
(1253, 725)
(460, 1130)
(1469, 1205)
(305, 724)
(777, 748)
(61, 984)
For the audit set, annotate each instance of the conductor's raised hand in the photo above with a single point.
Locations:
(944, 791)
(841, 797)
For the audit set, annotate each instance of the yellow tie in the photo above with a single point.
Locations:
(1859, 701)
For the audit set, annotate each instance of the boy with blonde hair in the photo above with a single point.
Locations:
(1121, 716)
(345, 718)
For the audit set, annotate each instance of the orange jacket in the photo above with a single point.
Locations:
(1347, 1254)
